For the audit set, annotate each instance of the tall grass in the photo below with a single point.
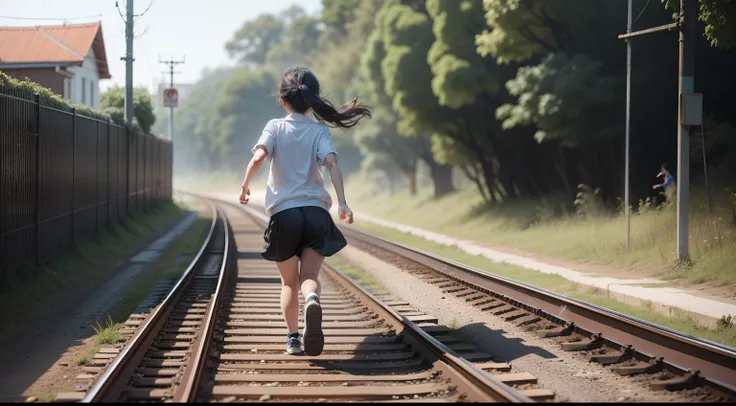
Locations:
(584, 233)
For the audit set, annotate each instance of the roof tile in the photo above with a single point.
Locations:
(61, 43)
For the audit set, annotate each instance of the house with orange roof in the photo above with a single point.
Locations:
(69, 59)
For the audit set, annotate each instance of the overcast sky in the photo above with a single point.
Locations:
(178, 28)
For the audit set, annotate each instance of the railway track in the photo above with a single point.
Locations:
(668, 359)
(165, 358)
(219, 336)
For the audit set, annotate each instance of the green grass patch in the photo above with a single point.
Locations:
(105, 334)
(170, 265)
(543, 226)
(359, 276)
(30, 294)
(725, 333)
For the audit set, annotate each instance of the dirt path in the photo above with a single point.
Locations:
(41, 361)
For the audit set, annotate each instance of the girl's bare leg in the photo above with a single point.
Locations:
(314, 339)
(289, 271)
(309, 274)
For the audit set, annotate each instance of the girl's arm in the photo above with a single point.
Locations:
(336, 175)
(251, 171)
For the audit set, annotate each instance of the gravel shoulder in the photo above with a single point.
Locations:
(570, 376)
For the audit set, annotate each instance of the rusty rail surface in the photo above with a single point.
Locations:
(164, 359)
(633, 346)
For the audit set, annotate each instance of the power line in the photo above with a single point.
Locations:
(641, 13)
(117, 6)
(50, 19)
(146, 10)
(145, 31)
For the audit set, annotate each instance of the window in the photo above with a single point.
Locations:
(84, 90)
(92, 93)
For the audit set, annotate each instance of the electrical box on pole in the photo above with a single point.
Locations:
(692, 109)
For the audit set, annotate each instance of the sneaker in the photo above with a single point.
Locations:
(293, 345)
(314, 339)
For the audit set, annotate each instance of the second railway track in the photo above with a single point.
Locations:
(667, 359)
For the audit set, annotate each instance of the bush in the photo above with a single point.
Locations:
(25, 89)
(113, 103)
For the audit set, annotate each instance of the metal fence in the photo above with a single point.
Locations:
(64, 177)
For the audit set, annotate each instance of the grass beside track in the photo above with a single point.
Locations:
(359, 276)
(597, 237)
(35, 293)
(170, 265)
(725, 333)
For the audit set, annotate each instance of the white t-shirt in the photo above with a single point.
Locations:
(297, 147)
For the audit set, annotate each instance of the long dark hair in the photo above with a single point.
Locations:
(300, 90)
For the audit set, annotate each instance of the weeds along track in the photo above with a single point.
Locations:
(699, 369)
(218, 335)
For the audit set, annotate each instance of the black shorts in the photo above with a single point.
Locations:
(290, 231)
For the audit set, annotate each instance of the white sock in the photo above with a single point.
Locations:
(314, 295)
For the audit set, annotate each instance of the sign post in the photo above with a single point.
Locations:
(171, 100)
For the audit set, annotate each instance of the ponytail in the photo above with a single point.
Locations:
(300, 90)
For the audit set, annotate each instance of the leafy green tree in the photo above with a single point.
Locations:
(242, 111)
(382, 55)
(196, 121)
(112, 102)
(571, 84)
(297, 47)
(719, 17)
(255, 39)
(337, 14)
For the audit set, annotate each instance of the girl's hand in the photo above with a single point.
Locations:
(655, 187)
(345, 213)
(244, 195)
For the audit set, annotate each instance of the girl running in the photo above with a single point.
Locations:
(301, 227)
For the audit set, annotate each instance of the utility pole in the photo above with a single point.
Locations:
(686, 27)
(627, 203)
(129, 63)
(171, 63)
(688, 18)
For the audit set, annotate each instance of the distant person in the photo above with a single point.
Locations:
(668, 185)
(301, 226)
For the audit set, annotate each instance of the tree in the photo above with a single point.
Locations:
(379, 143)
(337, 14)
(719, 17)
(242, 111)
(112, 102)
(196, 121)
(255, 39)
(470, 85)
(300, 38)
(376, 59)
(571, 84)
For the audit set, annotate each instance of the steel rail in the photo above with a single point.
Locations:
(125, 358)
(476, 377)
(681, 352)
(194, 372)
(480, 378)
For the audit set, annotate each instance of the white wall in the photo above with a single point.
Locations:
(88, 71)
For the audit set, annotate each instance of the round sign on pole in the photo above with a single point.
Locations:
(171, 97)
